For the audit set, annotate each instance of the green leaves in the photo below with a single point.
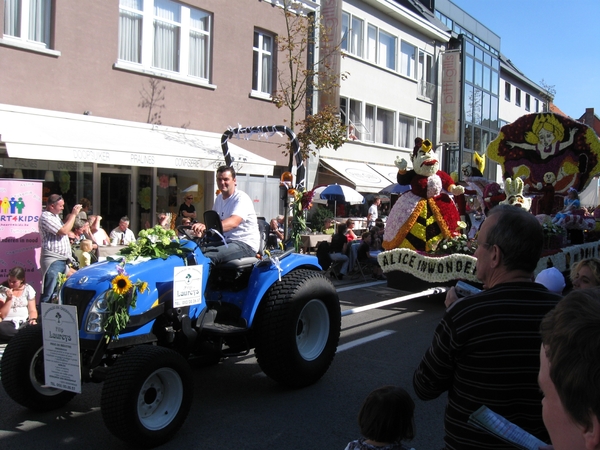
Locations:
(154, 243)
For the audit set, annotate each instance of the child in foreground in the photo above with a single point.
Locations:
(386, 418)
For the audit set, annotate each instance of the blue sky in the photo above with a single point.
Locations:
(557, 41)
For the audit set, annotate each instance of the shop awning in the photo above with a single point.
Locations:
(389, 172)
(360, 174)
(50, 135)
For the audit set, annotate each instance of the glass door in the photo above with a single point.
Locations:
(115, 200)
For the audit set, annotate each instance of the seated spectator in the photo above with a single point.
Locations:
(84, 253)
(122, 235)
(364, 255)
(276, 230)
(386, 418)
(17, 304)
(569, 374)
(99, 236)
(328, 227)
(339, 249)
(377, 236)
(81, 230)
(586, 274)
(350, 233)
(164, 220)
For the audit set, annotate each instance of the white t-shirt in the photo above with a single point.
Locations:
(373, 213)
(19, 311)
(240, 204)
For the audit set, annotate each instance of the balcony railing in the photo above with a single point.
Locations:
(426, 89)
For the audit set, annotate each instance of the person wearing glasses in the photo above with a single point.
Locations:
(56, 249)
(485, 350)
(187, 210)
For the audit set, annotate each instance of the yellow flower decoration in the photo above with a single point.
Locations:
(143, 287)
(121, 284)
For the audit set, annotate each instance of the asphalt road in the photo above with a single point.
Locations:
(237, 407)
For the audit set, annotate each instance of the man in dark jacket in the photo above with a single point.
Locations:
(485, 350)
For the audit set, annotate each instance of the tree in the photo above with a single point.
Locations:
(153, 97)
(548, 93)
(298, 80)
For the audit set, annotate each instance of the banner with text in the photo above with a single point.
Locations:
(450, 108)
(20, 240)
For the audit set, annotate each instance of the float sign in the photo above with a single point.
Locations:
(187, 286)
(61, 347)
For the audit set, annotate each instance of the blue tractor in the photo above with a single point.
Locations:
(281, 306)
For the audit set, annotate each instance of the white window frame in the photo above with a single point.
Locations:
(182, 23)
(406, 131)
(22, 29)
(407, 60)
(425, 75)
(377, 50)
(262, 60)
(352, 34)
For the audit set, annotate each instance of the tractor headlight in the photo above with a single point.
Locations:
(96, 314)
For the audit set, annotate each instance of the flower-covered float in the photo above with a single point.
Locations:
(425, 221)
(541, 156)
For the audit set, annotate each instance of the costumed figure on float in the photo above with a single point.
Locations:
(475, 185)
(426, 214)
(513, 188)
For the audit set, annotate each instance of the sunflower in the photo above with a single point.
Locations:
(143, 287)
(121, 284)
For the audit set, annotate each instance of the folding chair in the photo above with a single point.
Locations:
(362, 269)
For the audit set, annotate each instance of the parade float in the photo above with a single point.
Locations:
(543, 156)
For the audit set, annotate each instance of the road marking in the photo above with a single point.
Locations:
(364, 340)
(437, 290)
(353, 287)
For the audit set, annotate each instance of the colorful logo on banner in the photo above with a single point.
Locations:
(20, 241)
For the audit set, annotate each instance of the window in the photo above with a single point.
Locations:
(352, 32)
(507, 88)
(425, 66)
(387, 50)
(379, 125)
(372, 44)
(262, 64)
(518, 97)
(527, 102)
(384, 132)
(165, 35)
(28, 21)
(406, 131)
(381, 47)
(423, 129)
(537, 105)
(407, 59)
(351, 113)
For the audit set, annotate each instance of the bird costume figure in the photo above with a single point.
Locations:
(426, 214)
